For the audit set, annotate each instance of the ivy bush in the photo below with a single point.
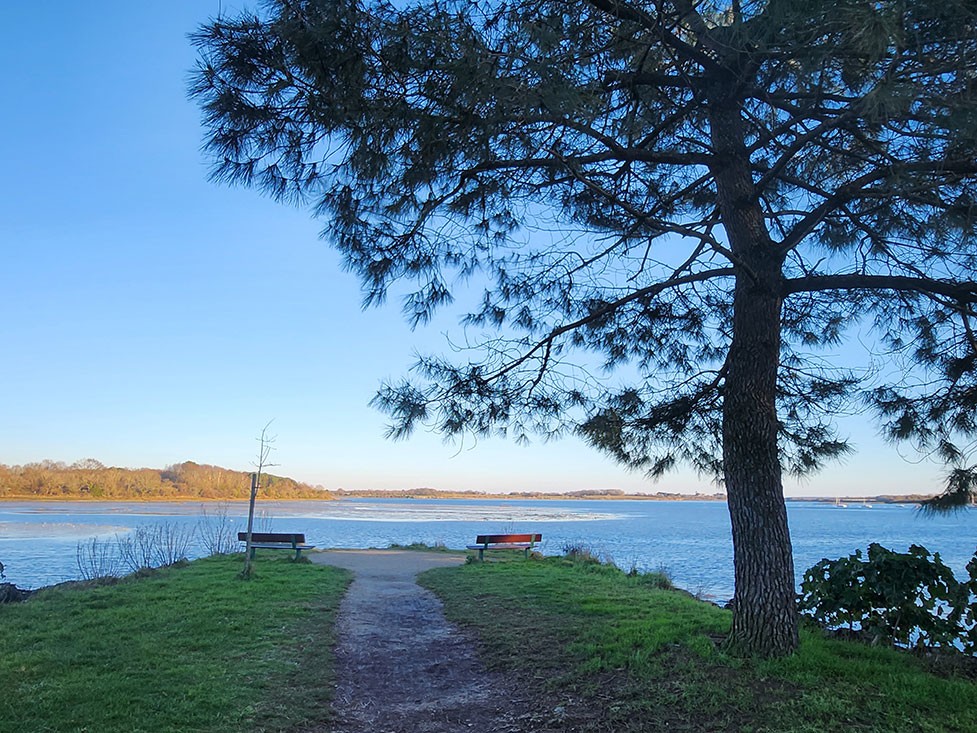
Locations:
(969, 635)
(908, 599)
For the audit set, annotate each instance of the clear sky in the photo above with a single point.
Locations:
(151, 317)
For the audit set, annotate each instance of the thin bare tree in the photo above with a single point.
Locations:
(265, 447)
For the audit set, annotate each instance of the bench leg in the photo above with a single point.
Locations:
(481, 554)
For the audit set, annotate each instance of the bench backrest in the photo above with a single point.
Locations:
(298, 539)
(505, 539)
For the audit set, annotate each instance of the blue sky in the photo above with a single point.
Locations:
(151, 317)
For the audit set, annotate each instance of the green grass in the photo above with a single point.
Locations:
(192, 648)
(423, 547)
(641, 658)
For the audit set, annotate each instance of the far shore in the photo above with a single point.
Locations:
(433, 494)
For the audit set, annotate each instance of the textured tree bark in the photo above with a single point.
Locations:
(764, 613)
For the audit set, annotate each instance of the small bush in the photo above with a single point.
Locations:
(147, 546)
(153, 546)
(657, 579)
(581, 553)
(96, 558)
(907, 599)
(216, 530)
(438, 546)
(969, 621)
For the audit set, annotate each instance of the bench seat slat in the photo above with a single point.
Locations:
(501, 546)
(281, 546)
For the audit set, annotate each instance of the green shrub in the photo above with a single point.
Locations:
(907, 599)
(969, 621)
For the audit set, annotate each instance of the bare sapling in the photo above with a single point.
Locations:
(95, 559)
(215, 530)
(265, 447)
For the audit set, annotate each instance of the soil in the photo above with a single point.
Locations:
(10, 593)
(401, 667)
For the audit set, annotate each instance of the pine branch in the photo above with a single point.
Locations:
(961, 292)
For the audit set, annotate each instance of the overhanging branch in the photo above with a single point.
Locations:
(961, 292)
(661, 157)
(949, 169)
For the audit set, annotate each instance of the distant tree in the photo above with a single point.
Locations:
(699, 197)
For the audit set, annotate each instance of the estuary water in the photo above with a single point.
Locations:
(39, 541)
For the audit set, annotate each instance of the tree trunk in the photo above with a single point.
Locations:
(248, 549)
(764, 611)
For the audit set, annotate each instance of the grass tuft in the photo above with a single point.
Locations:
(422, 547)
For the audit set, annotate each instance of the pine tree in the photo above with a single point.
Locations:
(674, 210)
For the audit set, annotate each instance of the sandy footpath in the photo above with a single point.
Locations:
(401, 667)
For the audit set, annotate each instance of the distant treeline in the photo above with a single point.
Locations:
(89, 479)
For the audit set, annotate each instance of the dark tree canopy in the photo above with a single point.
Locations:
(675, 210)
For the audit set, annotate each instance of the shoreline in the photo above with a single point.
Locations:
(426, 495)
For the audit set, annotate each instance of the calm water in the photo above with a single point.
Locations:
(38, 540)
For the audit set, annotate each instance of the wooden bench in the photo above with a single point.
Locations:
(524, 542)
(275, 541)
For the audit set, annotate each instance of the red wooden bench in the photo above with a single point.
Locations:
(524, 542)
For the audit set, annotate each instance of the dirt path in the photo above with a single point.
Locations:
(400, 666)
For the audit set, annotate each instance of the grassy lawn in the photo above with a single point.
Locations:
(191, 648)
(622, 655)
